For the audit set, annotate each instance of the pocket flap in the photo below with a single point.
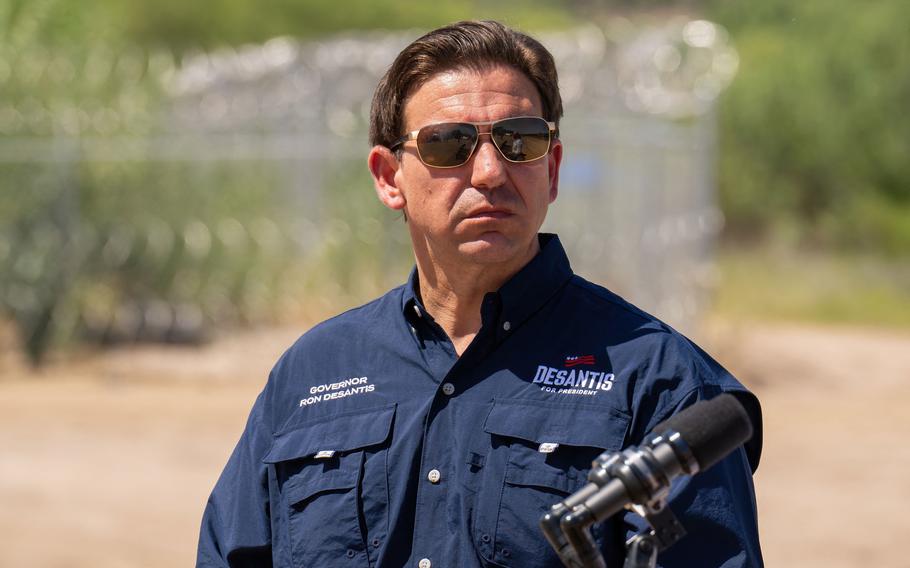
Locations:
(547, 422)
(341, 433)
(530, 468)
(582, 433)
(302, 487)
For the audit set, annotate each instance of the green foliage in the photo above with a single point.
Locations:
(814, 136)
(180, 25)
(95, 244)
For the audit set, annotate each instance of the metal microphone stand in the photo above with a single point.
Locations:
(620, 480)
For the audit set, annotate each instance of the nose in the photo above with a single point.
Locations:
(488, 168)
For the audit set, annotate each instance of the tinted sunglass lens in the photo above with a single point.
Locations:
(446, 145)
(522, 139)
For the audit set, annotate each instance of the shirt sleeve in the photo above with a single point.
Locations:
(236, 529)
(717, 509)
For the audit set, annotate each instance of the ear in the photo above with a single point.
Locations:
(383, 165)
(554, 159)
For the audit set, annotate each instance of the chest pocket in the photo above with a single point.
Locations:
(333, 480)
(541, 452)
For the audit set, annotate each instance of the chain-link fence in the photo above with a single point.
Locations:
(145, 198)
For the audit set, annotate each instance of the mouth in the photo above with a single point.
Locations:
(489, 213)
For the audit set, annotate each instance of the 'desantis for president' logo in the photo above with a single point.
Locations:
(571, 380)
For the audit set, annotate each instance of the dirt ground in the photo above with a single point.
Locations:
(107, 461)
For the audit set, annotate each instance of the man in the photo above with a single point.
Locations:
(435, 425)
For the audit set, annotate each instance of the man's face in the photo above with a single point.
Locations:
(488, 210)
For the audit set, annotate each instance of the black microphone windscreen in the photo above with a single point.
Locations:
(711, 428)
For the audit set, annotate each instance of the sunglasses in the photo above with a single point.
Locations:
(450, 144)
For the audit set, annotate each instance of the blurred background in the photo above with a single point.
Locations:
(183, 191)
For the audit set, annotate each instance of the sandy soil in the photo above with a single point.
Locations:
(107, 461)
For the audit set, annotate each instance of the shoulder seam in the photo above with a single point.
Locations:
(355, 309)
(614, 299)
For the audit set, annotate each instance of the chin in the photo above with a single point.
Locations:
(492, 250)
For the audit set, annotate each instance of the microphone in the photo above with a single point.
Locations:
(640, 477)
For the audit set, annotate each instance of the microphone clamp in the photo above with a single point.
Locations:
(645, 473)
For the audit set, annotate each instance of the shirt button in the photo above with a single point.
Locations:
(434, 476)
(448, 389)
(424, 563)
(507, 326)
(351, 553)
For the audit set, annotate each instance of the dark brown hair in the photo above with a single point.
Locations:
(470, 44)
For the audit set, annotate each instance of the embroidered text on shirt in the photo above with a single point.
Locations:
(574, 381)
(336, 390)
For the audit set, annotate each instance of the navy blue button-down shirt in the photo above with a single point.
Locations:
(374, 444)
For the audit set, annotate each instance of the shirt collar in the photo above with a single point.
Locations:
(527, 291)
(409, 299)
(521, 295)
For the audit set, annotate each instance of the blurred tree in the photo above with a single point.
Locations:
(814, 137)
(180, 25)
